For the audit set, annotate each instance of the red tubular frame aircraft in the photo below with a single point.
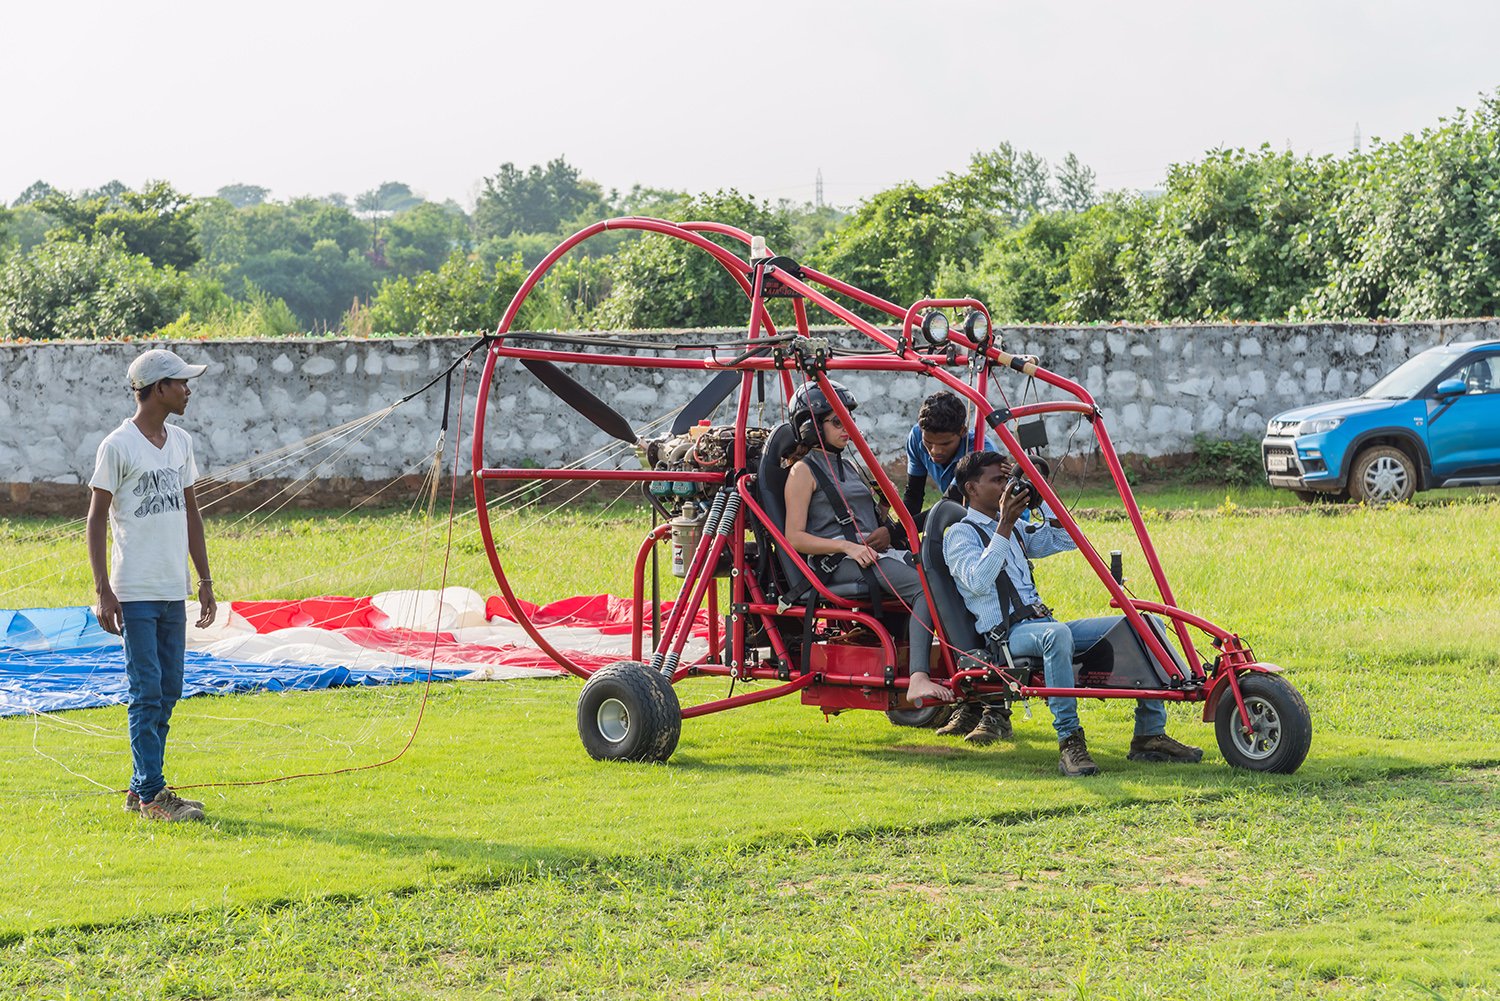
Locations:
(630, 710)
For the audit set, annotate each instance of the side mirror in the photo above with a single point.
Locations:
(1452, 387)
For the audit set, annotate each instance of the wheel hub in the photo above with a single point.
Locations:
(613, 720)
(1385, 480)
(1265, 730)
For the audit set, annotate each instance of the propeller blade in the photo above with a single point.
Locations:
(601, 414)
(707, 400)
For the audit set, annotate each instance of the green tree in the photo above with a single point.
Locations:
(1075, 185)
(35, 192)
(421, 238)
(895, 243)
(1236, 236)
(242, 196)
(462, 295)
(306, 252)
(155, 222)
(536, 200)
(661, 282)
(94, 289)
(1416, 226)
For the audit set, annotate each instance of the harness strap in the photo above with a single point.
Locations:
(846, 524)
(1005, 588)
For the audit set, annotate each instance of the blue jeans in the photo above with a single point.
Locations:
(155, 641)
(1055, 642)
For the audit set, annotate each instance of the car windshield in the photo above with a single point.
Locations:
(1408, 380)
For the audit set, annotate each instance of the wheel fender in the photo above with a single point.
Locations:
(1220, 686)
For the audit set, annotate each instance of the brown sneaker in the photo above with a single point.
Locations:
(964, 719)
(992, 726)
(1160, 747)
(170, 807)
(1074, 760)
(133, 802)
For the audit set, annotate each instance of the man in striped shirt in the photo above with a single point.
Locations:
(993, 541)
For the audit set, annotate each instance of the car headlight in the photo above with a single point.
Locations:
(1319, 425)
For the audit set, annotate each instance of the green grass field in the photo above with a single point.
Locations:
(779, 854)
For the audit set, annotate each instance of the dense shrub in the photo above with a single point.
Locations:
(86, 290)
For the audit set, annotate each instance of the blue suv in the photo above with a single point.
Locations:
(1433, 422)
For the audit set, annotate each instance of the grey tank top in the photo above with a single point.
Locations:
(822, 515)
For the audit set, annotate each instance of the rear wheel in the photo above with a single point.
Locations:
(627, 712)
(1382, 475)
(928, 717)
(1280, 725)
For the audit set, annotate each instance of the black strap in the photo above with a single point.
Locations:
(1005, 588)
(846, 523)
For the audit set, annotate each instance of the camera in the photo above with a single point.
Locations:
(1020, 486)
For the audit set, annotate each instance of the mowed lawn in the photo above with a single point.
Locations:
(779, 854)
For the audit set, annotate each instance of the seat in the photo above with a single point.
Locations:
(957, 621)
(770, 494)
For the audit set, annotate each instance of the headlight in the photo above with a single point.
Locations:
(935, 328)
(1319, 425)
(977, 326)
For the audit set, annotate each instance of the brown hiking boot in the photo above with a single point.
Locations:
(1160, 747)
(1074, 760)
(964, 719)
(133, 802)
(992, 726)
(170, 807)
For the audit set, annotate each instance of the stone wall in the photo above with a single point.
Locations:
(1158, 387)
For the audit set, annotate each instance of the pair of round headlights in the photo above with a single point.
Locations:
(935, 327)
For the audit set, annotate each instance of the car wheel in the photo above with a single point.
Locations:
(1383, 475)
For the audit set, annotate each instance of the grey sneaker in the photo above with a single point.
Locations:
(1160, 747)
(133, 802)
(1074, 757)
(964, 719)
(170, 807)
(992, 726)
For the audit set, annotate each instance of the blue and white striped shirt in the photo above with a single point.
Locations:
(976, 567)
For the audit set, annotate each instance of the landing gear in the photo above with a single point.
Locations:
(1280, 725)
(628, 712)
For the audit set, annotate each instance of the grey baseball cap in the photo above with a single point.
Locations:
(158, 364)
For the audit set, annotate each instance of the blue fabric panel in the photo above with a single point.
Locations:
(53, 659)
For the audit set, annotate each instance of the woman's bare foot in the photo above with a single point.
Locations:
(923, 687)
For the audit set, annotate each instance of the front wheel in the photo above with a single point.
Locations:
(1280, 725)
(628, 712)
(1383, 475)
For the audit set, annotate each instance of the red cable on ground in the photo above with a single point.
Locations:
(427, 684)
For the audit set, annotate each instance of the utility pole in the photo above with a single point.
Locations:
(1357, 142)
(818, 190)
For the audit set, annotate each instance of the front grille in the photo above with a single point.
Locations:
(1280, 460)
(1282, 429)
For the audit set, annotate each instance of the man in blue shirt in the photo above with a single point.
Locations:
(937, 441)
(1000, 545)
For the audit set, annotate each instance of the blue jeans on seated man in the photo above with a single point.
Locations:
(1055, 642)
(155, 641)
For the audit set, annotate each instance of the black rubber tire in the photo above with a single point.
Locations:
(1283, 725)
(1382, 475)
(627, 712)
(926, 718)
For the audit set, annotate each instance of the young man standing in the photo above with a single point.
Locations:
(941, 436)
(990, 546)
(143, 496)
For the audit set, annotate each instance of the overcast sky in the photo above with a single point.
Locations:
(316, 97)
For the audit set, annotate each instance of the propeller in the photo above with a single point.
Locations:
(600, 414)
(707, 400)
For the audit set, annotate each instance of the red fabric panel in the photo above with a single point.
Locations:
(322, 613)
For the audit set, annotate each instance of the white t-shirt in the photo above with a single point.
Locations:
(148, 513)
